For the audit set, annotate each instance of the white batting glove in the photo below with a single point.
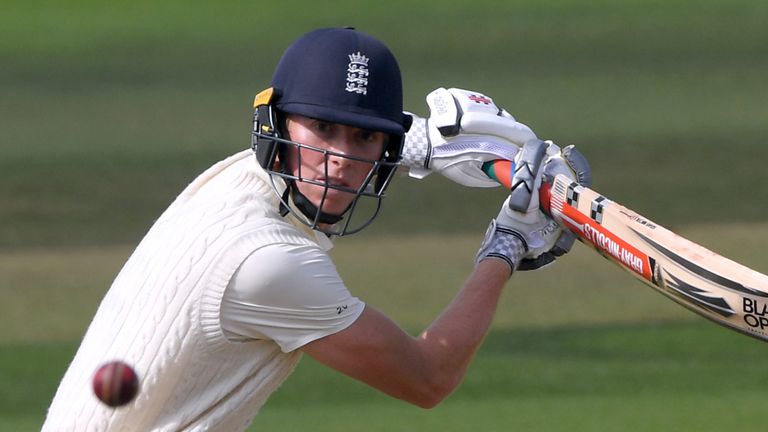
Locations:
(465, 129)
(571, 163)
(516, 237)
(520, 222)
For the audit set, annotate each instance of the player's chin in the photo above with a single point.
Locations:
(335, 202)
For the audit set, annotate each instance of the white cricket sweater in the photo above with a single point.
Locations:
(166, 302)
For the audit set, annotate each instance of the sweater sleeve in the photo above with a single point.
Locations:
(290, 294)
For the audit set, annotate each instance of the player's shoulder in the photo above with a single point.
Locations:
(283, 274)
(286, 259)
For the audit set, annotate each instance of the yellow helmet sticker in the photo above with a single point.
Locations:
(264, 97)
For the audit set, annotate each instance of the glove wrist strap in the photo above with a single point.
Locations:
(502, 243)
(417, 146)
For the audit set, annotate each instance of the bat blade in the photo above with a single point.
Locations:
(709, 284)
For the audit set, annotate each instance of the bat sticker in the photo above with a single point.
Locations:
(597, 207)
(572, 196)
(700, 297)
(702, 272)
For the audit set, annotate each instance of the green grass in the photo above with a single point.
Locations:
(109, 109)
(30, 372)
(59, 288)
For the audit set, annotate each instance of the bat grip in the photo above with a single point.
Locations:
(502, 171)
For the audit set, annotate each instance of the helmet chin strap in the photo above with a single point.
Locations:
(305, 206)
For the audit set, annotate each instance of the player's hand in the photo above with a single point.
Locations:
(518, 237)
(571, 163)
(522, 234)
(464, 130)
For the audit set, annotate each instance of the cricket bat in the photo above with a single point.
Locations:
(711, 285)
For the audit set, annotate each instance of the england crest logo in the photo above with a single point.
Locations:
(357, 74)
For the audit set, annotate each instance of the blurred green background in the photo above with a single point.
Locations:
(108, 109)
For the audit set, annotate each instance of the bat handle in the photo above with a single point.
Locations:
(502, 171)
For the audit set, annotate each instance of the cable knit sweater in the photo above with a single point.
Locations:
(166, 301)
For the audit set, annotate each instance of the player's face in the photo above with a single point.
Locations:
(341, 172)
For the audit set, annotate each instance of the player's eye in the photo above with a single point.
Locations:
(371, 137)
(322, 126)
(367, 136)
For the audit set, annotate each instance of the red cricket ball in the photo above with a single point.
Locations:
(115, 383)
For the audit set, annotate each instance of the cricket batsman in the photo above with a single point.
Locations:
(233, 283)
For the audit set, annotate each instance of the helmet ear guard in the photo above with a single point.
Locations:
(265, 123)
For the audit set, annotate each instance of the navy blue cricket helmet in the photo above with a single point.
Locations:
(338, 75)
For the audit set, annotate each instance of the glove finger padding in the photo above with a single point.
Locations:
(465, 130)
(569, 162)
(527, 176)
(454, 111)
(462, 112)
(502, 125)
(460, 157)
(562, 246)
(579, 164)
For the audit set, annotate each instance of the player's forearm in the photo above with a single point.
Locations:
(450, 343)
(421, 370)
